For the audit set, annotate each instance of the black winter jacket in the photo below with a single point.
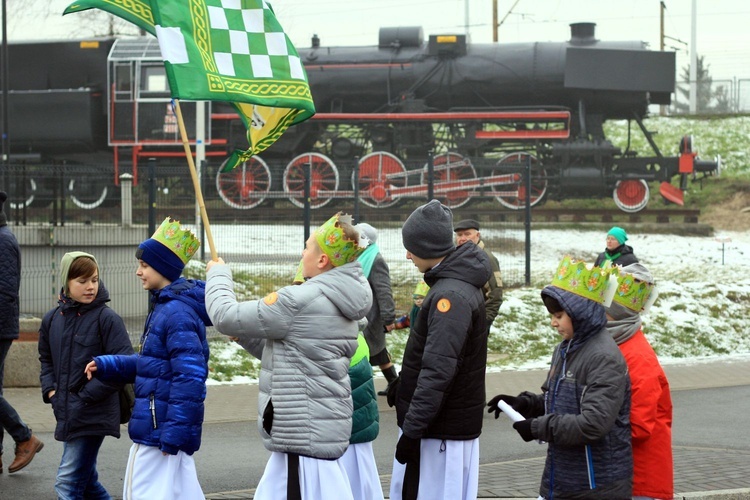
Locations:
(10, 282)
(442, 394)
(620, 256)
(70, 336)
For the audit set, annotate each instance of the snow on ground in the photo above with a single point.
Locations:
(701, 313)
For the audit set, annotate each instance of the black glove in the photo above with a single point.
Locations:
(524, 429)
(407, 449)
(521, 404)
(393, 392)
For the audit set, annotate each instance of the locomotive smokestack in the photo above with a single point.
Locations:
(582, 33)
(315, 41)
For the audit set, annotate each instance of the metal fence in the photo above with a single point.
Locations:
(82, 207)
(720, 97)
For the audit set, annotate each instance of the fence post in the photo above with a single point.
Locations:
(126, 195)
(355, 176)
(527, 221)
(430, 175)
(151, 196)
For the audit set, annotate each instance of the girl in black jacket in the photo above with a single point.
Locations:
(79, 328)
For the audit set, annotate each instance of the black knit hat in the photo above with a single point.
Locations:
(428, 232)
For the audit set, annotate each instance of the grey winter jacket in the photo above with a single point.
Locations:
(585, 410)
(383, 311)
(310, 331)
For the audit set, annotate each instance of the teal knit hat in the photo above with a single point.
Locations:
(619, 234)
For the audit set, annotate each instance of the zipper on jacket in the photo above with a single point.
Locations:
(152, 407)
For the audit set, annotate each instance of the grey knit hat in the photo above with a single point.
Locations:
(367, 230)
(428, 232)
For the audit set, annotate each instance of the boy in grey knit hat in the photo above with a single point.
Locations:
(439, 401)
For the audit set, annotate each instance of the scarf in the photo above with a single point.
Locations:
(367, 257)
(626, 323)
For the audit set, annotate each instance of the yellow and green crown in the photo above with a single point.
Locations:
(633, 293)
(421, 289)
(594, 283)
(334, 243)
(182, 242)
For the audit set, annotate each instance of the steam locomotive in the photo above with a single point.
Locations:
(393, 121)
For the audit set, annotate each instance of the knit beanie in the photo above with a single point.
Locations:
(619, 234)
(367, 230)
(161, 258)
(428, 232)
(67, 261)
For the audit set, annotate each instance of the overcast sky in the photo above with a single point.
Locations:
(723, 34)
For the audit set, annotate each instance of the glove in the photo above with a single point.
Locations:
(524, 429)
(407, 449)
(521, 404)
(393, 392)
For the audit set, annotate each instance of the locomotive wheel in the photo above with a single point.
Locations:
(538, 181)
(246, 186)
(324, 176)
(631, 195)
(31, 194)
(451, 167)
(378, 173)
(87, 194)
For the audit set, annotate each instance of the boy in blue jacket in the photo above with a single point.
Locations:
(169, 372)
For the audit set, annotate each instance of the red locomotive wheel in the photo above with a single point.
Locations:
(538, 181)
(631, 195)
(246, 186)
(324, 179)
(450, 170)
(378, 173)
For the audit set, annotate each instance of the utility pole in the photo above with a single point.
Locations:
(694, 58)
(5, 84)
(662, 8)
(494, 21)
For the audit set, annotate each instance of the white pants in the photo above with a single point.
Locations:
(319, 479)
(447, 470)
(151, 475)
(362, 472)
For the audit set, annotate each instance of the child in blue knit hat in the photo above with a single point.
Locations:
(617, 252)
(169, 372)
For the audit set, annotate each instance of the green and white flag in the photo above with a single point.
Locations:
(225, 50)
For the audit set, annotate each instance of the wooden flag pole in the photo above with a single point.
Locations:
(196, 181)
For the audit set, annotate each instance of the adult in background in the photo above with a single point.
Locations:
(27, 445)
(468, 230)
(650, 400)
(440, 398)
(382, 316)
(617, 251)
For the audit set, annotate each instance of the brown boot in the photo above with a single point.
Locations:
(25, 451)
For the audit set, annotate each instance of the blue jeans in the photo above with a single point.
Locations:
(9, 419)
(77, 477)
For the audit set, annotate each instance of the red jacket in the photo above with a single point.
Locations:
(650, 420)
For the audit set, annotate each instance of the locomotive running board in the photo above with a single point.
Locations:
(672, 193)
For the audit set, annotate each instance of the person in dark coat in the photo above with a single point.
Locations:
(27, 444)
(381, 318)
(79, 328)
(617, 252)
(441, 394)
(583, 412)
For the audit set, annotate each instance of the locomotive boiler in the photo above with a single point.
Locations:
(475, 115)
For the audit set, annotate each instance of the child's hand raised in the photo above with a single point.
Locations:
(211, 263)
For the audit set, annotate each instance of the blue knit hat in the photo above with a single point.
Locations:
(160, 258)
(619, 234)
(169, 249)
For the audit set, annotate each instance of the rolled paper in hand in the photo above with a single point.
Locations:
(508, 410)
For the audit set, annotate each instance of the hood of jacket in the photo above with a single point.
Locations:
(190, 292)
(588, 317)
(347, 288)
(67, 261)
(466, 263)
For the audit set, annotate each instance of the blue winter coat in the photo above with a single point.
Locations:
(169, 372)
(10, 281)
(70, 336)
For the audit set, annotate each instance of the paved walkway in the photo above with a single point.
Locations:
(699, 472)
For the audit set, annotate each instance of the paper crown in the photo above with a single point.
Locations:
(635, 294)
(594, 283)
(421, 289)
(182, 242)
(334, 243)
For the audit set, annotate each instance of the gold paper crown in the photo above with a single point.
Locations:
(334, 243)
(594, 283)
(182, 242)
(634, 294)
